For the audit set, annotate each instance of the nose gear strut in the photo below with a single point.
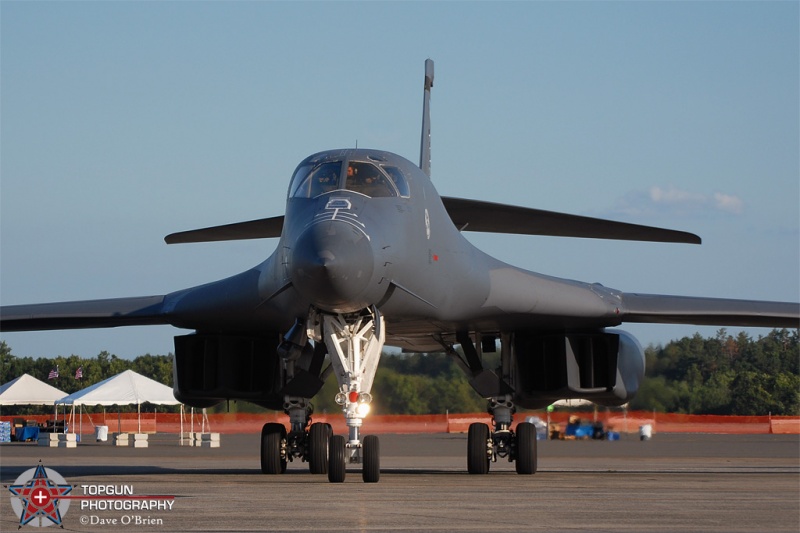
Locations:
(354, 342)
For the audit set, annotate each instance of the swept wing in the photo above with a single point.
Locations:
(665, 309)
(472, 215)
(107, 313)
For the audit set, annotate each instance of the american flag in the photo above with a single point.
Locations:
(79, 373)
(53, 373)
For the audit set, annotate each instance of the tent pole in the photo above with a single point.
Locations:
(139, 417)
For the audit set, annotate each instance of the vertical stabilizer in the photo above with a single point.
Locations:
(425, 144)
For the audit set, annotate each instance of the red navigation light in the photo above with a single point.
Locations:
(353, 396)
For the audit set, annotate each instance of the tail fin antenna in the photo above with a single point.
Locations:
(425, 144)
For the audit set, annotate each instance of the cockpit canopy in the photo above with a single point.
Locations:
(373, 179)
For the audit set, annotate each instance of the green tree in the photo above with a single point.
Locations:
(656, 394)
(750, 395)
(715, 396)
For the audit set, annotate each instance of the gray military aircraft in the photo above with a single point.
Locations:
(369, 254)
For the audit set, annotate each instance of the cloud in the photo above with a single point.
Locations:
(675, 197)
(729, 203)
(670, 200)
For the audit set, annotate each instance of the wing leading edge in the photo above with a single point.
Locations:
(86, 314)
(666, 309)
(263, 228)
(475, 215)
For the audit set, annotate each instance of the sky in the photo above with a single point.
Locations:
(122, 122)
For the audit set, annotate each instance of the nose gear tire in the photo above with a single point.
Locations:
(337, 460)
(372, 459)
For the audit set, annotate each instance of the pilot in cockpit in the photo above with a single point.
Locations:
(367, 182)
(325, 180)
(355, 182)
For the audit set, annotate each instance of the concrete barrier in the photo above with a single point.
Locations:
(785, 426)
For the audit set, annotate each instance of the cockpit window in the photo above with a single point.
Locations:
(374, 180)
(399, 180)
(368, 179)
(310, 181)
(299, 178)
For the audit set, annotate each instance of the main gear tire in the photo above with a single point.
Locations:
(477, 448)
(273, 439)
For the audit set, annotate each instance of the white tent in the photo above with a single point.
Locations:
(125, 388)
(27, 390)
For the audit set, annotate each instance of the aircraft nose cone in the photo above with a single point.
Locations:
(331, 265)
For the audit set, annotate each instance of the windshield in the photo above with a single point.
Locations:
(313, 179)
(368, 179)
(310, 181)
(399, 180)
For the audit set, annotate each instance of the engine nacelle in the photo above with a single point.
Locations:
(209, 369)
(605, 368)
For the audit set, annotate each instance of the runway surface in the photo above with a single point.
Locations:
(674, 482)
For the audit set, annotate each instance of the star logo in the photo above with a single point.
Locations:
(37, 497)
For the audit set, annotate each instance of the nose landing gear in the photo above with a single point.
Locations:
(354, 343)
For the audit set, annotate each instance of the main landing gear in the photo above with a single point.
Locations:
(484, 446)
(354, 343)
(305, 441)
(308, 444)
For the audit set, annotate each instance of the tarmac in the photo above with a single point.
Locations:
(673, 482)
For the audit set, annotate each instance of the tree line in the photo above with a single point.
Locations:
(695, 375)
(724, 375)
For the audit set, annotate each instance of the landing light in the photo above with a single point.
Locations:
(363, 409)
(361, 398)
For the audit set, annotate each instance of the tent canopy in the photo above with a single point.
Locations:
(123, 389)
(27, 390)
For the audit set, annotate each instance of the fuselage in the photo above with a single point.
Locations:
(367, 228)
